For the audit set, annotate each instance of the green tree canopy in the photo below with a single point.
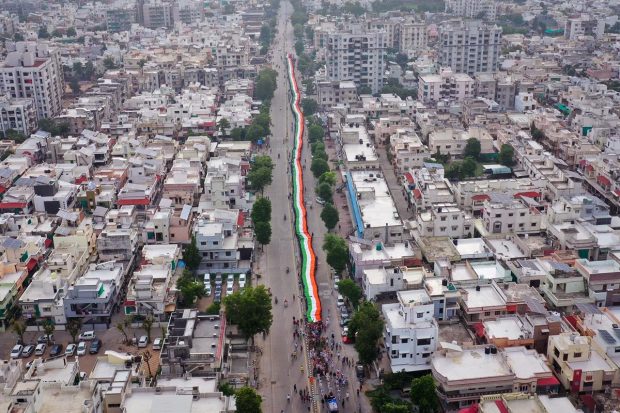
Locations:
(316, 147)
(263, 161)
(255, 132)
(324, 191)
(109, 63)
(472, 148)
(315, 133)
(74, 325)
(319, 167)
(71, 32)
(265, 84)
(329, 178)
(261, 210)
(250, 309)
(238, 134)
(309, 106)
(506, 155)
(330, 217)
(259, 178)
(191, 255)
(394, 407)
(247, 400)
(189, 288)
(367, 328)
(337, 252)
(349, 289)
(263, 232)
(468, 167)
(423, 394)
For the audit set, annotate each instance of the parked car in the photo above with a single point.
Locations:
(320, 200)
(16, 351)
(143, 341)
(28, 350)
(336, 281)
(218, 296)
(87, 335)
(70, 350)
(157, 343)
(344, 313)
(229, 289)
(40, 349)
(95, 346)
(231, 278)
(56, 350)
(340, 301)
(359, 371)
(207, 278)
(241, 280)
(344, 321)
(81, 348)
(45, 339)
(207, 289)
(345, 331)
(218, 279)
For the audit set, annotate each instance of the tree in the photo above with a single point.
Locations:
(56, 33)
(394, 407)
(259, 178)
(263, 161)
(43, 33)
(250, 309)
(255, 132)
(263, 232)
(222, 125)
(337, 252)
(506, 155)
(191, 255)
(468, 167)
(315, 133)
(109, 63)
(349, 289)
(190, 288)
(74, 326)
(78, 69)
(147, 325)
(423, 394)
(309, 106)
(19, 328)
(324, 191)
(121, 327)
(364, 90)
(536, 133)
(453, 171)
(329, 178)
(75, 86)
(261, 210)
(319, 167)
(402, 60)
(71, 32)
(49, 327)
(237, 134)
(265, 84)
(367, 328)
(330, 217)
(247, 400)
(472, 148)
(89, 70)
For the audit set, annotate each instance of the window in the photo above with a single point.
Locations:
(216, 242)
(404, 341)
(203, 243)
(228, 253)
(426, 355)
(487, 313)
(577, 355)
(419, 315)
(565, 356)
(424, 341)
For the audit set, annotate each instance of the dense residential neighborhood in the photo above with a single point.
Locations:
(328, 206)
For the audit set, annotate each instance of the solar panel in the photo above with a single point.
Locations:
(187, 209)
(535, 306)
(588, 308)
(609, 339)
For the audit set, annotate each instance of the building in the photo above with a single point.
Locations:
(446, 85)
(473, 9)
(413, 37)
(120, 20)
(33, 71)
(17, 114)
(357, 55)
(380, 281)
(469, 46)
(411, 331)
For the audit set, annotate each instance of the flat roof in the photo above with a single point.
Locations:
(470, 364)
(508, 327)
(526, 363)
(505, 248)
(487, 296)
(69, 400)
(472, 247)
(378, 209)
(595, 363)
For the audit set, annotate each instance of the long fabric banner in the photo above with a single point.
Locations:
(308, 258)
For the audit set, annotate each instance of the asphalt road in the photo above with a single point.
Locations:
(278, 372)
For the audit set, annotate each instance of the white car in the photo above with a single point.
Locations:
(336, 281)
(40, 349)
(340, 300)
(70, 350)
(229, 289)
(231, 278)
(143, 341)
(16, 351)
(81, 348)
(157, 343)
(207, 289)
(242, 281)
(320, 201)
(87, 335)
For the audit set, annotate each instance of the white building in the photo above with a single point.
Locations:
(33, 71)
(469, 47)
(503, 214)
(377, 281)
(408, 151)
(524, 102)
(410, 331)
(17, 114)
(412, 37)
(473, 9)
(356, 55)
(447, 85)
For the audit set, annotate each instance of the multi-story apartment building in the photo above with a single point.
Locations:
(17, 114)
(120, 20)
(356, 55)
(33, 71)
(469, 47)
(446, 85)
(411, 331)
(473, 9)
(413, 37)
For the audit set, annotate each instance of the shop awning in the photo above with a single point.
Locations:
(548, 382)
